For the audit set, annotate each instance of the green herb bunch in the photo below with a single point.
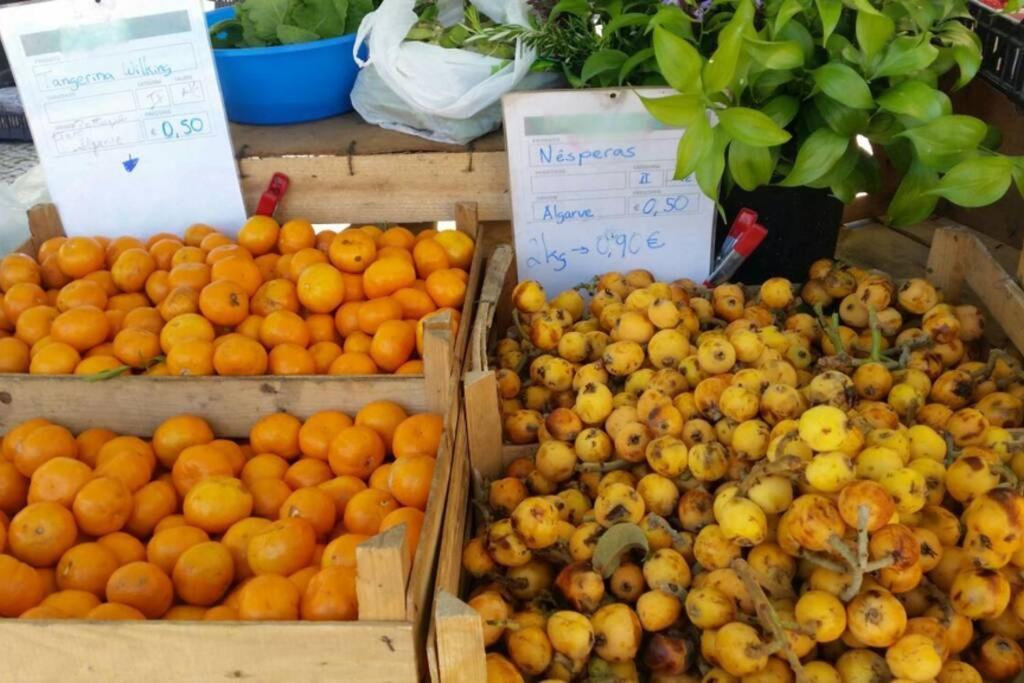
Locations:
(262, 23)
(795, 85)
(593, 43)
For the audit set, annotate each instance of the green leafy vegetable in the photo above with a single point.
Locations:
(262, 23)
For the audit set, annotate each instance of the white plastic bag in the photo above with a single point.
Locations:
(443, 94)
(15, 199)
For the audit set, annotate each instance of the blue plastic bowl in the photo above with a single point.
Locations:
(286, 83)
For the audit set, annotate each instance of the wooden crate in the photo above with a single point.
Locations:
(957, 260)
(386, 644)
(346, 167)
(87, 403)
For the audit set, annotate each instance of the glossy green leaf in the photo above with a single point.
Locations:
(874, 31)
(679, 62)
(906, 55)
(946, 137)
(673, 19)
(916, 100)
(751, 167)
(844, 120)
(712, 165)
(978, 181)
(923, 12)
(840, 170)
(842, 83)
(694, 144)
(1018, 174)
(579, 8)
(721, 67)
(829, 11)
(675, 110)
(798, 33)
(911, 204)
(633, 62)
(624, 21)
(600, 62)
(775, 55)
(966, 50)
(864, 6)
(752, 127)
(816, 157)
(764, 84)
(787, 10)
(782, 109)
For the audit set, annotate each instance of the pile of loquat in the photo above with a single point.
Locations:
(814, 484)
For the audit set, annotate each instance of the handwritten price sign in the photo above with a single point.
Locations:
(593, 190)
(126, 113)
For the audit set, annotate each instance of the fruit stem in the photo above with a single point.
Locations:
(859, 565)
(786, 466)
(830, 326)
(952, 452)
(603, 467)
(942, 598)
(769, 618)
(876, 336)
(659, 522)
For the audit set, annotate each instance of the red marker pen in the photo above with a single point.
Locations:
(744, 246)
(744, 219)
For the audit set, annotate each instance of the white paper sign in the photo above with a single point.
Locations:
(592, 189)
(125, 109)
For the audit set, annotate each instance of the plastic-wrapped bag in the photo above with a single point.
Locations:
(443, 94)
(15, 200)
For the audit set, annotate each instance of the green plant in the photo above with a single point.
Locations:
(261, 23)
(793, 85)
(593, 43)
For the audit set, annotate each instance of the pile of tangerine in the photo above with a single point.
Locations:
(186, 526)
(281, 300)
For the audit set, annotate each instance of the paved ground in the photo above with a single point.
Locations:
(15, 159)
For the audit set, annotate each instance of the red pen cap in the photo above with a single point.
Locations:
(750, 239)
(744, 219)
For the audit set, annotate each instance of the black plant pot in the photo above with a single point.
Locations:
(803, 226)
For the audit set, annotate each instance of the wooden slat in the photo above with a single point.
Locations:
(384, 187)
(438, 361)
(483, 421)
(421, 580)
(460, 641)
(1008, 255)
(383, 567)
(133, 651)
(449, 564)
(948, 262)
(498, 265)
(958, 257)
(873, 245)
(341, 136)
(43, 223)
(137, 405)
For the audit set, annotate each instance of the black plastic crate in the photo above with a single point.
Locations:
(1002, 40)
(13, 124)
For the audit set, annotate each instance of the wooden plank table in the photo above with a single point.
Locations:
(344, 170)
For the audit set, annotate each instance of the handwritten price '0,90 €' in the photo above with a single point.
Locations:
(608, 244)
